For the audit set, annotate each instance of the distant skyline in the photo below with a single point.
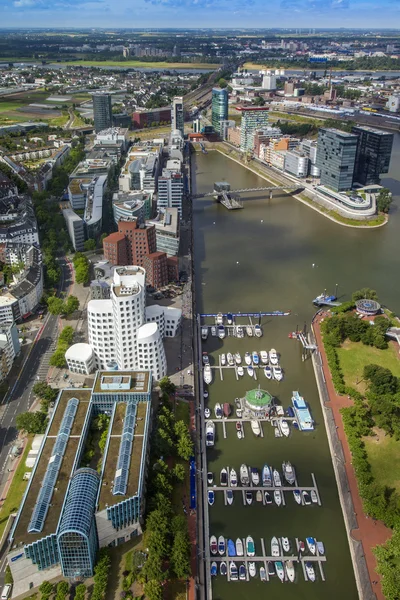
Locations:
(201, 13)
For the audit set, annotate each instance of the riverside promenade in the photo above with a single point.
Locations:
(364, 533)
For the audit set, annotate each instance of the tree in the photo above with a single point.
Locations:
(259, 101)
(31, 422)
(44, 391)
(384, 200)
(184, 446)
(57, 359)
(179, 472)
(67, 335)
(90, 244)
(70, 305)
(80, 591)
(55, 305)
(364, 293)
(153, 590)
(62, 590)
(180, 555)
(45, 588)
(222, 83)
(167, 386)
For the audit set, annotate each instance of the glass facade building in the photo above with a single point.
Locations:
(253, 118)
(219, 107)
(178, 115)
(336, 157)
(374, 150)
(102, 112)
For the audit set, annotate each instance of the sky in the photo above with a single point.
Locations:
(200, 13)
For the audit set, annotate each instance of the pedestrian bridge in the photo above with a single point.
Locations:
(223, 189)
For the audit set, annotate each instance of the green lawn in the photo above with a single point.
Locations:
(354, 356)
(384, 458)
(59, 121)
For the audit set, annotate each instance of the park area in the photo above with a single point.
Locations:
(354, 356)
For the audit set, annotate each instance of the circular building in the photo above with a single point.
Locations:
(80, 358)
(368, 307)
(150, 351)
(258, 403)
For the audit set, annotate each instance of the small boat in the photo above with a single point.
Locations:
(238, 426)
(204, 333)
(257, 330)
(218, 411)
(255, 427)
(226, 408)
(320, 548)
(250, 371)
(239, 332)
(264, 357)
(240, 371)
(288, 472)
(263, 574)
(285, 544)
(229, 318)
(249, 331)
(213, 545)
(206, 359)
(273, 357)
(259, 496)
(314, 497)
(266, 476)
(207, 413)
(231, 548)
(233, 478)
(255, 358)
(249, 498)
(222, 568)
(271, 568)
(278, 497)
(277, 479)
(233, 572)
(275, 550)
(210, 433)
(290, 572)
(310, 572)
(229, 496)
(219, 319)
(285, 427)
(277, 373)
(213, 569)
(223, 360)
(297, 496)
(268, 498)
(230, 359)
(252, 569)
(205, 394)
(221, 332)
(238, 358)
(213, 331)
(239, 433)
(242, 572)
(280, 571)
(239, 413)
(244, 475)
(301, 546)
(247, 358)
(255, 476)
(210, 478)
(207, 374)
(224, 477)
(268, 372)
(239, 547)
(250, 547)
(306, 498)
(221, 545)
(310, 541)
(211, 497)
(238, 404)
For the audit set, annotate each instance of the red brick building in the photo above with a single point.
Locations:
(173, 268)
(140, 240)
(156, 269)
(115, 249)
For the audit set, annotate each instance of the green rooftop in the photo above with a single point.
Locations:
(258, 398)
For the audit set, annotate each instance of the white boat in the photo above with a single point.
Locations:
(263, 574)
(242, 572)
(290, 572)
(275, 550)
(277, 372)
(221, 332)
(249, 331)
(266, 476)
(207, 413)
(239, 433)
(239, 547)
(297, 496)
(239, 413)
(250, 547)
(250, 371)
(255, 476)
(223, 360)
(207, 374)
(280, 570)
(255, 358)
(258, 496)
(288, 472)
(273, 357)
(264, 357)
(320, 548)
(277, 497)
(240, 371)
(224, 476)
(314, 497)
(238, 358)
(306, 498)
(255, 427)
(233, 572)
(285, 544)
(221, 545)
(249, 497)
(218, 411)
(213, 331)
(252, 569)
(230, 359)
(210, 433)
(277, 478)
(206, 360)
(247, 358)
(219, 319)
(257, 330)
(310, 572)
(213, 545)
(204, 333)
(233, 481)
(268, 372)
(310, 541)
(210, 477)
(239, 331)
(229, 496)
(284, 427)
(244, 475)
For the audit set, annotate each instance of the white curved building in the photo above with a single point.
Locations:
(80, 358)
(167, 318)
(150, 351)
(101, 331)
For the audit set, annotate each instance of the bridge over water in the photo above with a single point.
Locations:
(231, 199)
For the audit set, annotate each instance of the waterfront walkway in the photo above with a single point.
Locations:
(369, 532)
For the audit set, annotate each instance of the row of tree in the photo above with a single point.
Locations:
(101, 575)
(65, 340)
(82, 268)
(65, 308)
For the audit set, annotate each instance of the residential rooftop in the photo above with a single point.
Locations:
(132, 382)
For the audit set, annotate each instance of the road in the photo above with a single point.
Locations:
(20, 396)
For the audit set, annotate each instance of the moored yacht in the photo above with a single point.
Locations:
(233, 478)
(250, 371)
(221, 545)
(229, 496)
(290, 572)
(268, 372)
(280, 571)
(238, 358)
(239, 547)
(221, 332)
(219, 319)
(239, 332)
(275, 550)
(249, 331)
(210, 433)
(230, 359)
(229, 318)
(258, 330)
(244, 475)
(284, 427)
(310, 571)
(273, 357)
(255, 476)
(310, 541)
(264, 357)
(247, 358)
(255, 358)
(223, 360)
(218, 411)
(224, 476)
(288, 472)
(250, 547)
(278, 497)
(207, 374)
(277, 372)
(233, 571)
(255, 427)
(266, 476)
(277, 478)
(204, 333)
(240, 371)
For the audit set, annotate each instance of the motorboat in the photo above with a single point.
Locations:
(247, 358)
(252, 569)
(320, 548)
(255, 427)
(238, 358)
(285, 544)
(219, 319)
(205, 393)
(266, 476)
(285, 427)
(271, 568)
(277, 478)
(239, 332)
(239, 433)
(278, 497)
(310, 572)
(249, 331)
(229, 318)
(288, 472)
(223, 477)
(250, 547)
(207, 412)
(263, 574)
(268, 498)
(273, 357)
(290, 412)
(297, 496)
(249, 497)
(255, 358)
(324, 298)
(207, 374)
(275, 550)
(302, 546)
(255, 476)
(230, 359)
(211, 497)
(264, 357)
(240, 371)
(229, 496)
(226, 408)
(213, 331)
(231, 548)
(290, 572)
(213, 545)
(314, 497)
(258, 330)
(250, 371)
(238, 403)
(233, 572)
(210, 433)
(221, 332)
(233, 481)
(218, 411)
(221, 545)
(244, 475)
(223, 360)
(238, 426)
(277, 372)
(213, 569)
(222, 568)
(210, 478)
(239, 413)
(306, 498)
(280, 571)
(259, 496)
(206, 359)
(268, 372)
(239, 547)
(311, 545)
(204, 333)
(242, 572)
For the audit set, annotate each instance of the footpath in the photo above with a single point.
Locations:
(368, 532)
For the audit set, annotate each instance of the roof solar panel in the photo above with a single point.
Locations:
(125, 451)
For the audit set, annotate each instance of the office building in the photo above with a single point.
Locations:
(269, 82)
(76, 229)
(140, 240)
(132, 205)
(336, 157)
(102, 112)
(178, 115)
(309, 148)
(374, 150)
(219, 111)
(115, 250)
(296, 163)
(150, 118)
(167, 231)
(9, 347)
(170, 187)
(80, 358)
(253, 118)
(156, 269)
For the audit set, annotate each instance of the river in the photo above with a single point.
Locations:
(276, 255)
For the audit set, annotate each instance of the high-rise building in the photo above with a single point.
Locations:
(178, 115)
(156, 269)
(170, 186)
(115, 250)
(374, 150)
(219, 109)
(336, 157)
(269, 82)
(253, 118)
(140, 240)
(102, 112)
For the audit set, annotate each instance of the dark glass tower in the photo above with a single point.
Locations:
(336, 157)
(102, 112)
(374, 150)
